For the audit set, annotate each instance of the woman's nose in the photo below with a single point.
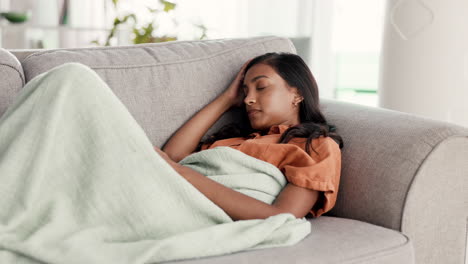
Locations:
(249, 100)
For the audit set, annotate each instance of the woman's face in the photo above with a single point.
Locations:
(266, 92)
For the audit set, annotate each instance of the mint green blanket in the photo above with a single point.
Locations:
(80, 182)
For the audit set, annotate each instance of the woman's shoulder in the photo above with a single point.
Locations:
(328, 141)
(321, 145)
(322, 140)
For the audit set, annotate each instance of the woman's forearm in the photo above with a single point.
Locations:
(237, 205)
(186, 139)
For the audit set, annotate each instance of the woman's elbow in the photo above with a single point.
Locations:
(296, 214)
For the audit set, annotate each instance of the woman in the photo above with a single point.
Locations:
(280, 96)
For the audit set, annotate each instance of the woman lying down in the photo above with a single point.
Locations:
(81, 182)
(281, 99)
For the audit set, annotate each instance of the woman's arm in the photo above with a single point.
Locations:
(186, 138)
(292, 199)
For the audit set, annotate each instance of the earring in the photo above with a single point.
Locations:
(301, 99)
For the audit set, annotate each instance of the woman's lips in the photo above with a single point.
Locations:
(253, 112)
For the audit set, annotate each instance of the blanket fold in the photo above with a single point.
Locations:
(80, 182)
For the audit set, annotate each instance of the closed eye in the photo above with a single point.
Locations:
(258, 89)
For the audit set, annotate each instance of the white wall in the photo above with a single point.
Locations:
(224, 19)
(425, 59)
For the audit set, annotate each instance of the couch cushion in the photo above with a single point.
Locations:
(332, 240)
(164, 84)
(12, 79)
(21, 54)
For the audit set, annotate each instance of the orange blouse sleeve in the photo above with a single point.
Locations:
(320, 172)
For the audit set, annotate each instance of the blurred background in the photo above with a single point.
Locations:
(406, 55)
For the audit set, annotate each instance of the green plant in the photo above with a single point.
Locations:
(145, 33)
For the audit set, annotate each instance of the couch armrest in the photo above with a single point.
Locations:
(407, 173)
(11, 79)
(435, 214)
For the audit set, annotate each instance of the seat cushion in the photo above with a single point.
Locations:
(332, 240)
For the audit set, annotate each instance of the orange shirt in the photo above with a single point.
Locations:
(317, 172)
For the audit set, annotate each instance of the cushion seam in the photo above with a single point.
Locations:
(466, 238)
(164, 44)
(381, 253)
(137, 46)
(19, 72)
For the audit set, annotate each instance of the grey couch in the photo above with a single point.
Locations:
(403, 196)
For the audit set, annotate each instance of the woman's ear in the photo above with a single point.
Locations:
(297, 95)
(298, 98)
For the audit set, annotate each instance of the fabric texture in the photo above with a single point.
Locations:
(446, 215)
(407, 173)
(320, 170)
(383, 153)
(81, 183)
(341, 241)
(12, 79)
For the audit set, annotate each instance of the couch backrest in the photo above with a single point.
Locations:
(163, 85)
(11, 79)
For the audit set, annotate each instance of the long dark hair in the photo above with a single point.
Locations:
(296, 73)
